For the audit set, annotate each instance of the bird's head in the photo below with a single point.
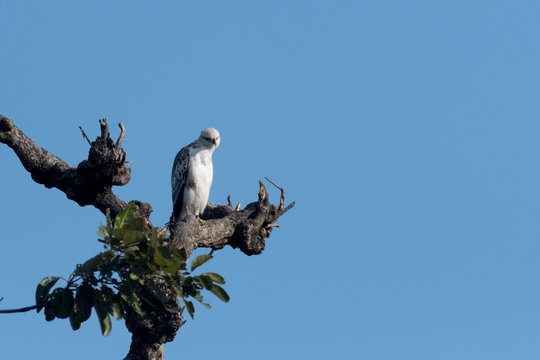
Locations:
(210, 137)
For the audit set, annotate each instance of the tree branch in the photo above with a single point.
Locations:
(11, 311)
(246, 229)
(24, 309)
(88, 184)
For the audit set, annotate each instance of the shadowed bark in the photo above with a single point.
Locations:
(91, 182)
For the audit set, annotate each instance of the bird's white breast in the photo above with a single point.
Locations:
(199, 181)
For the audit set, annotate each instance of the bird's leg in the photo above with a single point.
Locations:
(201, 221)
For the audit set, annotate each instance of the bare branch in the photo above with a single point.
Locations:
(24, 309)
(289, 207)
(88, 184)
(84, 136)
(120, 139)
(282, 198)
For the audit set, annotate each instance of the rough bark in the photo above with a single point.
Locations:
(151, 331)
(91, 182)
(244, 229)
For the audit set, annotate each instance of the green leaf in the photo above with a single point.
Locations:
(102, 312)
(42, 291)
(67, 305)
(104, 322)
(137, 224)
(49, 311)
(103, 231)
(91, 265)
(188, 287)
(181, 253)
(74, 321)
(190, 308)
(161, 296)
(215, 277)
(177, 289)
(134, 302)
(84, 301)
(131, 237)
(199, 260)
(127, 290)
(117, 309)
(220, 293)
(204, 281)
(123, 217)
(57, 297)
(167, 260)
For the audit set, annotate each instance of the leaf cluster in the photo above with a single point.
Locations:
(134, 259)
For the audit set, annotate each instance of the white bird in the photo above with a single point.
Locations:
(192, 174)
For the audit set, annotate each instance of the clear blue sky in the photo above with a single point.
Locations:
(408, 133)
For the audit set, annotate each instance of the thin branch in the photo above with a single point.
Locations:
(282, 198)
(229, 201)
(24, 309)
(120, 138)
(289, 207)
(271, 182)
(84, 136)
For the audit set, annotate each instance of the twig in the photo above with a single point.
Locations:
(238, 207)
(120, 137)
(289, 207)
(24, 309)
(271, 182)
(282, 197)
(229, 201)
(121, 158)
(263, 194)
(84, 135)
(272, 225)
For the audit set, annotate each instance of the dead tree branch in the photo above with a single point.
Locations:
(90, 183)
(245, 229)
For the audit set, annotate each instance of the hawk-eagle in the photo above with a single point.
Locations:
(192, 173)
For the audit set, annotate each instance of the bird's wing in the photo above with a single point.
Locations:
(178, 179)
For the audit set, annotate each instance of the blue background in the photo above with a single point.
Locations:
(407, 133)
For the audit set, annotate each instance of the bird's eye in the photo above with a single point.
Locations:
(207, 138)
